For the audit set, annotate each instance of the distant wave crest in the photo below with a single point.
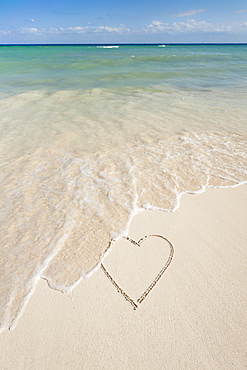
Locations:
(108, 46)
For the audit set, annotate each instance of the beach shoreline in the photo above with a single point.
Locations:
(193, 318)
(90, 136)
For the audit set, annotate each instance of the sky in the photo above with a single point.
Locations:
(123, 21)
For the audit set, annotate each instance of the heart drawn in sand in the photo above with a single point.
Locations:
(135, 304)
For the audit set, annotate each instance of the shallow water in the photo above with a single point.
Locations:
(89, 136)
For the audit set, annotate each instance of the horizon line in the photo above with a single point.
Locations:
(119, 44)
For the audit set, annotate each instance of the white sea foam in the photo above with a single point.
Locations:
(108, 46)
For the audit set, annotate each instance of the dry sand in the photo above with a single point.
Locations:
(194, 318)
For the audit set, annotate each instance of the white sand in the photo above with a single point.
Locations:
(194, 318)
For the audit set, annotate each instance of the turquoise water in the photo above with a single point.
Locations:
(53, 68)
(91, 135)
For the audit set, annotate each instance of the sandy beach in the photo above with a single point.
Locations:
(194, 318)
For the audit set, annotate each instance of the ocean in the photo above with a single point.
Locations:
(92, 134)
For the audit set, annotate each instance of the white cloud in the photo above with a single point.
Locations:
(241, 11)
(25, 30)
(30, 20)
(193, 26)
(190, 12)
(90, 29)
(155, 27)
(4, 32)
(111, 29)
(69, 30)
(77, 29)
